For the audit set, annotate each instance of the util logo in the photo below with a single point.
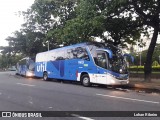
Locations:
(41, 67)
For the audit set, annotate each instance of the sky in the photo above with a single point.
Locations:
(9, 20)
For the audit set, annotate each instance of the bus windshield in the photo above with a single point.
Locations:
(117, 63)
(31, 65)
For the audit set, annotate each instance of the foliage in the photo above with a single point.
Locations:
(87, 24)
(7, 61)
(141, 68)
(3, 62)
(48, 16)
(25, 43)
(155, 63)
(156, 56)
(146, 16)
(92, 20)
(72, 21)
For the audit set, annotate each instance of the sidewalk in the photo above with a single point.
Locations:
(139, 83)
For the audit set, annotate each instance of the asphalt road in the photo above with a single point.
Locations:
(27, 94)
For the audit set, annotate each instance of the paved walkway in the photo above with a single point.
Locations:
(139, 83)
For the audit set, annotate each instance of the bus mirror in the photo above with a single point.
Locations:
(129, 55)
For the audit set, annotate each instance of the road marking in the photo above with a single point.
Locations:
(81, 117)
(129, 99)
(25, 84)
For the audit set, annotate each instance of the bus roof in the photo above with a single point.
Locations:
(66, 47)
(102, 45)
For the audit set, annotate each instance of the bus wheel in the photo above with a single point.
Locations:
(45, 76)
(85, 80)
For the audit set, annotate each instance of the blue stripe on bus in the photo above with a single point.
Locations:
(62, 68)
(56, 64)
(59, 65)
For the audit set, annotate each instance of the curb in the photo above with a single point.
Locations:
(140, 86)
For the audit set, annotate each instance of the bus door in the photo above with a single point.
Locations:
(102, 65)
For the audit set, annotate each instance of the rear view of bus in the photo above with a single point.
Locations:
(26, 67)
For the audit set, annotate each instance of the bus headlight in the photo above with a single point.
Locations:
(29, 74)
(112, 81)
(120, 71)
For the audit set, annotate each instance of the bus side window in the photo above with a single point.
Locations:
(60, 55)
(86, 56)
(82, 53)
(101, 60)
(77, 53)
(54, 56)
(69, 54)
(74, 53)
(59, 58)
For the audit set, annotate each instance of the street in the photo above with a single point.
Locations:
(32, 94)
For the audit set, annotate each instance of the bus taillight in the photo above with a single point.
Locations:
(76, 73)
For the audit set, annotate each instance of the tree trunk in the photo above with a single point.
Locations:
(148, 63)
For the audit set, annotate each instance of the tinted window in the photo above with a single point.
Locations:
(60, 55)
(22, 62)
(77, 53)
(101, 60)
(82, 53)
(31, 64)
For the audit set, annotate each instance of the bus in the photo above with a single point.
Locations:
(26, 67)
(90, 62)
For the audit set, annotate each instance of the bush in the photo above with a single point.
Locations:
(141, 68)
(156, 68)
(155, 63)
(136, 68)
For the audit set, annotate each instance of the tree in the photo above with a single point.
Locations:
(84, 26)
(146, 14)
(48, 16)
(7, 59)
(68, 22)
(40, 18)
(92, 20)
(28, 44)
(3, 62)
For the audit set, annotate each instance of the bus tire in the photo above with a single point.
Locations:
(25, 74)
(45, 76)
(85, 80)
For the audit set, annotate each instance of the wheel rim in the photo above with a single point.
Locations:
(45, 76)
(86, 80)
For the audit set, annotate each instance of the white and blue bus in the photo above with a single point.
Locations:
(89, 62)
(26, 67)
